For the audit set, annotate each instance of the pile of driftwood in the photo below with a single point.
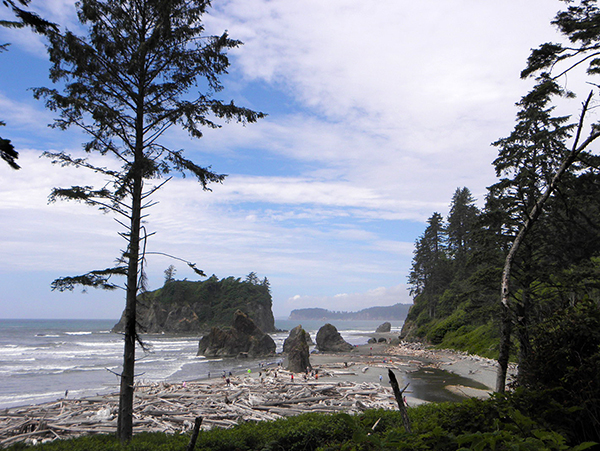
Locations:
(172, 408)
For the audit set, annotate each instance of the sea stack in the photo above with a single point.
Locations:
(290, 340)
(296, 348)
(384, 328)
(330, 340)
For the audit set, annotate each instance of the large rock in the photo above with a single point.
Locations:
(292, 337)
(330, 340)
(296, 348)
(244, 338)
(384, 328)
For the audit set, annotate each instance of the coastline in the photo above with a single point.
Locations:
(350, 382)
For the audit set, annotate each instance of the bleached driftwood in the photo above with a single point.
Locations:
(173, 408)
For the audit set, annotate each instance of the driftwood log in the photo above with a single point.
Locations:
(175, 408)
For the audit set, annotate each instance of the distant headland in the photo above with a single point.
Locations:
(395, 312)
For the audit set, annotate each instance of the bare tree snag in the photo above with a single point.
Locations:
(194, 437)
(506, 315)
(400, 400)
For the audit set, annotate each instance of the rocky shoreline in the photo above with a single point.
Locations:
(351, 382)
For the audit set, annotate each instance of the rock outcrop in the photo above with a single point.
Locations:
(296, 348)
(242, 339)
(330, 340)
(182, 306)
(384, 328)
(292, 337)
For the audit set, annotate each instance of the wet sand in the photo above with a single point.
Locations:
(433, 375)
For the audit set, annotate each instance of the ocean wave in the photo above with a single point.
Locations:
(79, 333)
(196, 357)
(29, 398)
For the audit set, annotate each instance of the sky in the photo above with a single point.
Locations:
(377, 113)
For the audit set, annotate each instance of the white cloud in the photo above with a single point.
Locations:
(387, 107)
(412, 93)
(23, 115)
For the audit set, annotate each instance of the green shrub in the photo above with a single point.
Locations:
(523, 421)
(452, 323)
(423, 318)
(481, 340)
(565, 358)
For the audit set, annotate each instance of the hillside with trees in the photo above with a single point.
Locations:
(458, 261)
(518, 278)
(396, 312)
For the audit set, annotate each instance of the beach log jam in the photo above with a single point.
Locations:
(173, 408)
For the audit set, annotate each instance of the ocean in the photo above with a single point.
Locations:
(44, 360)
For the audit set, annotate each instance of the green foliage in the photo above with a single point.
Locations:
(480, 340)
(544, 208)
(8, 152)
(308, 431)
(94, 279)
(566, 358)
(449, 324)
(214, 301)
(429, 273)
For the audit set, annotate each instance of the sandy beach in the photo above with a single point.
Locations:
(476, 376)
(349, 382)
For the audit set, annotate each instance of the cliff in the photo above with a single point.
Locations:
(182, 306)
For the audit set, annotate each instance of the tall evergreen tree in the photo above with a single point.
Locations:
(429, 274)
(461, 221)
(125, 84)
(548, 63)
(527, 161)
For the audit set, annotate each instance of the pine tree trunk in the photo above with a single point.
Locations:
(125, 418)
(522, 331)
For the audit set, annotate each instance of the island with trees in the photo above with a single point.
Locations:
(183, 306)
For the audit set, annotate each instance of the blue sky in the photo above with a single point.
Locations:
(377, 112)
